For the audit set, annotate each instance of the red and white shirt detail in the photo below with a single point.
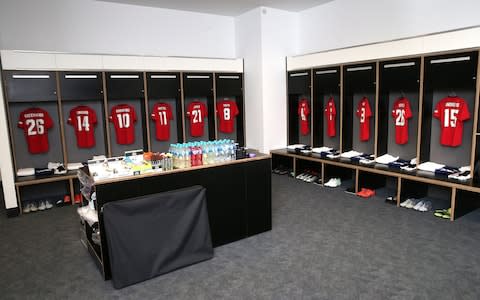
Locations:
(162, 114)
(401, 113)
(303, 112)
(364, 113)
(330, 115)
(35, 123)
(227, 110)
(83, 119)
(123, 118)
(197, 112)
(451, 112)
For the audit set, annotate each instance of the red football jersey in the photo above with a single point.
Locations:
(197, 112)
(35, 122)
(123, 117)
(451, 112)
(162, 114)
(330, 115)
(303, 112)
(83, 119)
(401, 113)
(227, 110)
(364, 113)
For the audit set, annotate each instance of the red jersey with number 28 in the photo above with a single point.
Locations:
(303, 112)
(451, 112)
(364, 113)
(35, 122)
(227, 110)
(123, 118)
(162, 114)
(330, 114)
(197, 112)
(401, 113)
(83, 120)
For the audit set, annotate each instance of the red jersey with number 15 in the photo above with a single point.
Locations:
(364, 113)
(162, 114)
(35, 122)
(401, 113)
(227, 110)
(197, 112)
(451, 112)
(303, 112)
(123, 118)
(330, 114)
(83, 120)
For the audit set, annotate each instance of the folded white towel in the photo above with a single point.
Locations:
(386, 159)
(430, 166)
(350, 154)
(26, 172)
(74, 166)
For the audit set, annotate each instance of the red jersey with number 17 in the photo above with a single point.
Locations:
(364, 113)
(83, 120)
(451, 112)
(303, 112)
(401, 113)
(162, 114)
(123, 118)
(227, 110)
(330, 114)
(35, 122)
(197, 112)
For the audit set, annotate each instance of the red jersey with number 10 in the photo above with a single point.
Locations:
(364, 113)
(162, 114)
(227, 110)
(83, 120)
(303, 112)
(123, 118)
(451, 112)
(197, 112)
(35, 122)
(330, 114)
(401, 113)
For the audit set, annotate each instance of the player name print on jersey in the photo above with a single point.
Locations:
(161, 115)
(196, 112)
(83, 119)
(401, 113)
(330, 115)
(451, 111)
(227, 110)
(123, 118)
(35, 123)
(364, 113)
(303, 112)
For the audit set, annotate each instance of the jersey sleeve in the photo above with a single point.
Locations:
(21, 121)
(48, 121)
(464, 113)
(69, 120)
(205, 111)
(235, 108)
(134, 115)
(307, 108)
(368, 110)
(408, 110)
(436, 112)
(218, 108)
(112, 112)
(93, 116)
(153, 115)
(169, 112)
(189, 110)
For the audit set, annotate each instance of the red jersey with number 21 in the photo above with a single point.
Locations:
(330, 114)
(303, 112)
(162, 114)
(451, 112)
(401, 113)
(123, 118)
(227, 110)
(35, 122)
(83, 120)
(196, 112)
(364, 113)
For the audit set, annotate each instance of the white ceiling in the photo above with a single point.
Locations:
(225, 7)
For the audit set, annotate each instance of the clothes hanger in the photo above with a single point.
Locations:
(452, 94)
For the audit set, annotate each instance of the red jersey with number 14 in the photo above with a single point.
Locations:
(364, 113)
(227, 110)
(451, 112)
(162, 114)
(123, 118)
(401, 113)
(197, 112)
(83, 120)
(330, 114)
(303, 112)
(35, 122)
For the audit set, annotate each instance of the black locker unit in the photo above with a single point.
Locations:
(299, 88)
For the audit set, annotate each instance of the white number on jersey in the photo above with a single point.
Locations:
(302, 114)
(83, 123)
(123, 120)
(400, 120)
(330, 116)
(226, 113)
(197, 116)
(450, 117)
(162, 116)
(35, 126)
(362, 115)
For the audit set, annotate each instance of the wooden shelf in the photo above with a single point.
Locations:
(32, 180)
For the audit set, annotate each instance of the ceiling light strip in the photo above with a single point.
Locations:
(326, 72)
(446, 60)
(31, 76)
(406, 64)
(124, 76)
(163, 76)
(299, 74)
(80, 76)
(359, 69)
(228, 77)
(197, 76)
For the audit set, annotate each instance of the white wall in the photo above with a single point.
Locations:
(344, 23)
(88, 26)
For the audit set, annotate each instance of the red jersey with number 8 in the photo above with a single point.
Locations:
(451, 112)
(330, 114)
(35, 122)
(83, 120)
(401, 113)
(162, 114)
(303, 112)
(123, 118)
(364, 113)
(196, 112)
(227, 110)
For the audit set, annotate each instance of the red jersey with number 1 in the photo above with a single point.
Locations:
(364, 113)
(35, 122)
(330, 115)
(401, 113)
(303, 112)
(162, 114)
(83, 120)
(123, 118)
(451, 112)
(197, 112)
(227, 110)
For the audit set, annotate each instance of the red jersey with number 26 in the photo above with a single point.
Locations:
(364, 113)
(330, 114)
(196, 112)
(83, 120)
(401, 113)
(35, 122)
(451, 112)
(123, 118)
(227, 110)
(162, 114)
(303, 112)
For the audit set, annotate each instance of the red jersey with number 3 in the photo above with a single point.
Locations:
(123, 118)
(451, 112)
(197, 112)
(83, 120)
(364, 113)
(35, 122)
(401, 113)
(162, 114)
(330, 115)
(303, 112)
(227, 110)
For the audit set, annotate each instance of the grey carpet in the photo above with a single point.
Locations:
(325, 244)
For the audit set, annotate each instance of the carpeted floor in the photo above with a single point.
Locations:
(325, 244)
